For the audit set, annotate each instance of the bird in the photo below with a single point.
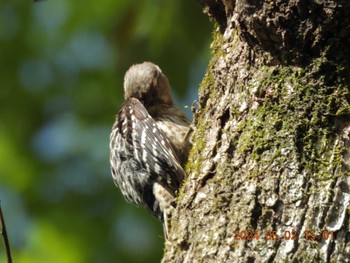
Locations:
(149, 145)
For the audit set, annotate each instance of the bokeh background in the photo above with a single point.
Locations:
(61, 72)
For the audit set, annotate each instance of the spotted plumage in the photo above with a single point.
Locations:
(148, 148)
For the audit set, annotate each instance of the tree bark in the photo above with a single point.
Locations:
(268, 175)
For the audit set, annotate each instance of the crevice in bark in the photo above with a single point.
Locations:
(184, 245)
(271, 259)
(216, 10)
(257, 211)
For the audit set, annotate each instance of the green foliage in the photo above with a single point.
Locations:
(62, 67)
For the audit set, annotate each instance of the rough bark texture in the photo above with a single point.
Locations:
(271, 145)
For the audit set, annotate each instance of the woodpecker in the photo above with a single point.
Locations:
(148, 142)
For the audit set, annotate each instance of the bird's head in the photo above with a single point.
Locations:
(147, 83)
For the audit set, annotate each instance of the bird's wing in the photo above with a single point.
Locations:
(149, 145)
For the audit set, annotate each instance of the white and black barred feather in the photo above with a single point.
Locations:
(142, 155)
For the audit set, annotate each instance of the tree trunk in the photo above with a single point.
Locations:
(269, 169)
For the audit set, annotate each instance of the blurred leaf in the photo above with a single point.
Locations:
(46, 243)
(16, 170)
(62, 68)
